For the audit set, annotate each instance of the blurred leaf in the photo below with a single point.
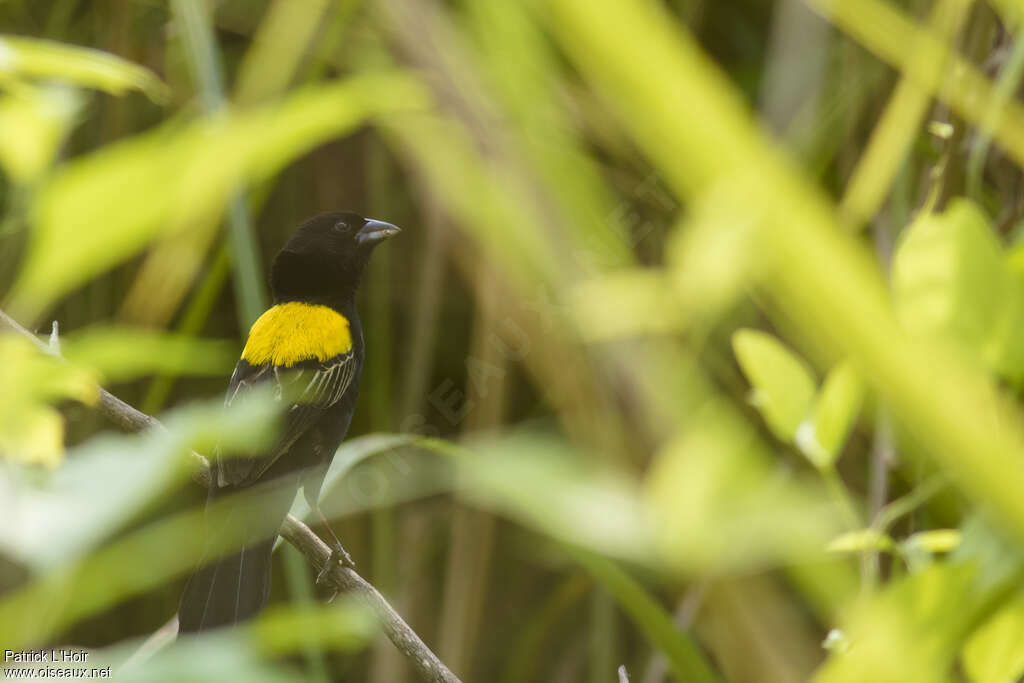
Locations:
(711, 259)
(47, 376)
(952, 280)
(937, 68)
(917, 617)
(74, 513)
(342, 495)
(625, 303)
(783, 386)
(34, 438)
(861, 541)
(101, 209)
(537, 481)
(278, 48)
(1008, 336)
(109, 479)
(722, 504)
(822, 284)
(85, 67)
(120, 353)
(836, 640)
(941, 129)
(995, 652)
(31, 431)
(822, 437)
(914, 628)
(1010, 11)
(999, 557)
(514, 57)
(244, 653)
(477, 194)
(934, 541)
(949, 279)
(904, 115)
(346, 625)
(686, 661)
(194, 20)
(212, 659)
(33, 125)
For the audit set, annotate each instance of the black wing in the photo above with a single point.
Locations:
(311, 387)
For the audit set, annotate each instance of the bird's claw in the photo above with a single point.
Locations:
(338, 554)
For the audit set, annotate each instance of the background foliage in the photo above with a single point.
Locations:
(700, 352)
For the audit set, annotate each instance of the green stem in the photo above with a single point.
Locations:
(194, 22)
(1006, 85)
(685, 658)
(193, 18)
(889, 514)
(247, 266)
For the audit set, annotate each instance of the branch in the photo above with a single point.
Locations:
(423, 660)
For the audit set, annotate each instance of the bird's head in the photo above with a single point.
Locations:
(324, 260)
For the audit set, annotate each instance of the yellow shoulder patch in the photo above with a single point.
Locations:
(293, 332)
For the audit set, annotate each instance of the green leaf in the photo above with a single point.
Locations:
(1008, 334)
(242, 653)
(1010, 11)
(44, 59)
(908, 631)
(860, 541)
(121, 353)
(531, 478)
(629, 302)
(934, 541)
(710, 257)
(34, 123)
(539, 481)
(820, 281)
(109, 479)
(995, 652)
(949, 279)
(377, 470)
(722, 504)
(31, 431)
(822, 438)
(783, 386)
(913, 628)
(103, 208)
(345, 626)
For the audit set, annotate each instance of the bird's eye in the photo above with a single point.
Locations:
(341, 226)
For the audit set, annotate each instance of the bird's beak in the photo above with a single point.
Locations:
(374, 232)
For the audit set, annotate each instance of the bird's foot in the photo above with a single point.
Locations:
(338, 554)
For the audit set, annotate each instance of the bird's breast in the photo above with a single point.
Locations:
(293, 332)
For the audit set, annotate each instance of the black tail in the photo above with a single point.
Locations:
(227, 591)
(235, 586)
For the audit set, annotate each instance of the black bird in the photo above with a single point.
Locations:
(309, 345)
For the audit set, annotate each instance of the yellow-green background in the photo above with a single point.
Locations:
(704, 332)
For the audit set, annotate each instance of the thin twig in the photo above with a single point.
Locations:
(920, 495)
(423, 660)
